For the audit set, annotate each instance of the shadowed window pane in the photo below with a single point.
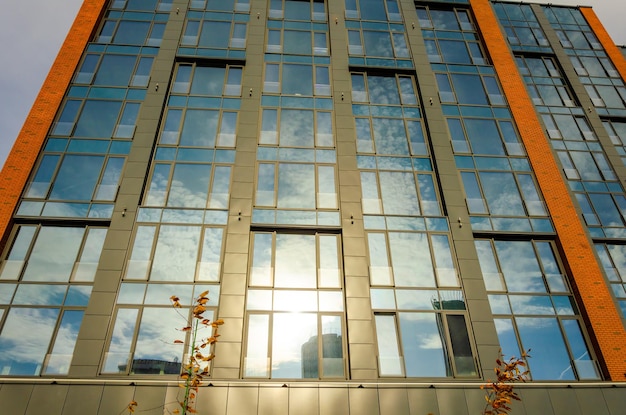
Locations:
(115, 70)
(98, 119)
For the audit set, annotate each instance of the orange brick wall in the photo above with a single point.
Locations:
(603, 319)
(23, 155)
(607, 43)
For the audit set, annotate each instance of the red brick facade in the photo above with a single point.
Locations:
(23, 156)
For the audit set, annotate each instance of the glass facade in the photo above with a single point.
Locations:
(347, 180)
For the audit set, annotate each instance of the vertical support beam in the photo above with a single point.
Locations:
(23, 155)
(232, 308)
(603, 321)
(362, 349)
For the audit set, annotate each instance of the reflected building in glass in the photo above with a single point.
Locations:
(379, 195)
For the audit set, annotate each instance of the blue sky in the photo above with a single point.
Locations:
(31, 32)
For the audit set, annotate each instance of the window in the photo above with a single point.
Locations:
(612, 259)
(221, 5)
(568, 127)
(296, 186)
(521, 26)
(617, 133)
(295, 307)
(297, 79)
(54, 329)
(382, 135)
(503, 194)
(469, 89)
(143, 5)
(97, 119)
(534, 309)
(484, 136)
(189, 185)
(403, 193)
(446, 46)
(426, 344)
(215, 34)
(35, 255)
(608, 96)
(382, 10)
(50, 299)
(547, 86)
(603, 209)
(144, 316)
(383, 90)
(296, 128)
(297, 42)
(306, 10)
(79, 177)
(373, 43)
(390, 136)
(200, 128)
(115, 70)
(418, 307)
(411, 259)
(131, 32)
(198, 258)
(585, 165)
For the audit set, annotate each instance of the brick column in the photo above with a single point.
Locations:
(604, 323)
(23, 155)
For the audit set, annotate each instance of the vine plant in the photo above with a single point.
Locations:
(500, 393)
(196, 364)
(196, 367)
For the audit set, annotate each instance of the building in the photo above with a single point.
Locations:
(378, 194)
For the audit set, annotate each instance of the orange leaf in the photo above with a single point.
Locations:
(179, 342)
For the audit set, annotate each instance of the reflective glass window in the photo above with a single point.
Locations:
(534, 308)
(115, 70)
(131, 32)
(98, 119)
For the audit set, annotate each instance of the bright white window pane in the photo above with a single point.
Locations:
(12, 266)
(51, 260)
(261, 270)
(295, 261)
(210, 263)
(329, 275)
(85, 269)
(390, 362)
(380, 273)
(256, 363)
(58, 362)
(327, 194)
(290, 343)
